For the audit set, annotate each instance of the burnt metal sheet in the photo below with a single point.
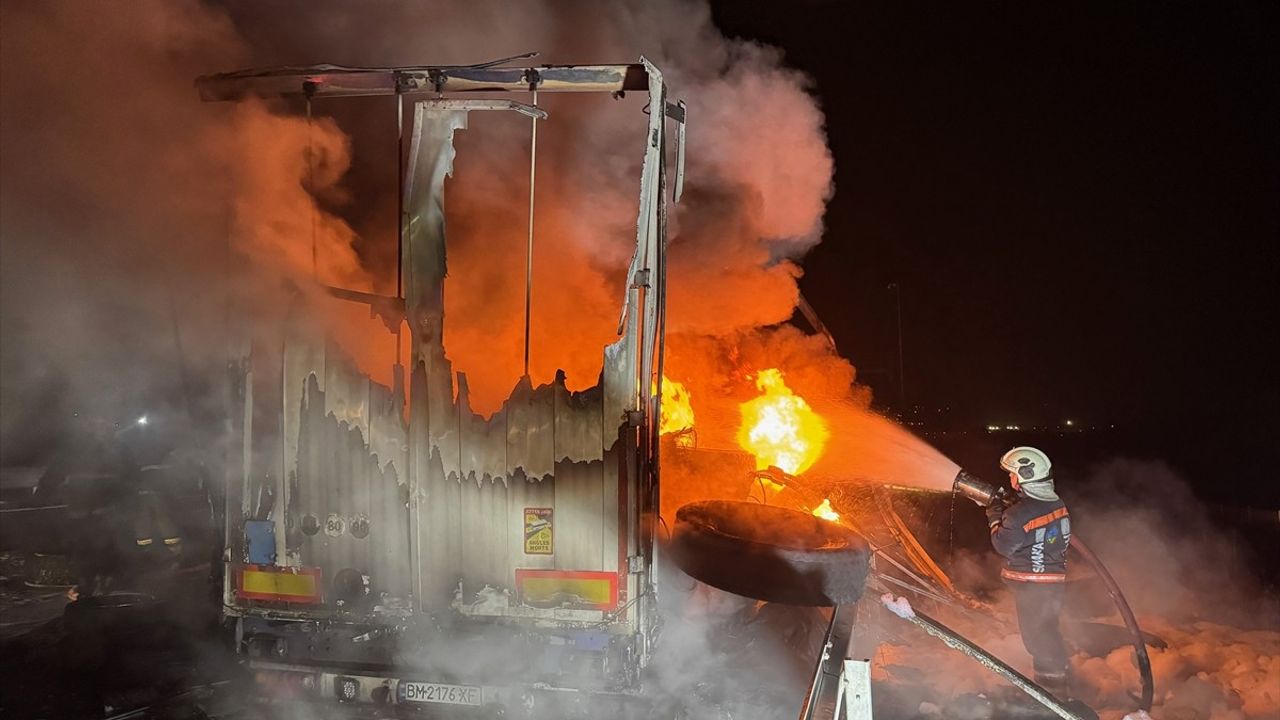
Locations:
(531, 432)
(530, 415)
(579, 508)
(483, 445)
(433, 498)
(433, 505)
(348, 502)
(454, 487)
(303, 358)
(472, 479)
(681, 143)
(346, 392)
(476, 534)
(343, 447)
(387, 432)
(463, 530)
(580, 480)
(578, 430)
(484, 495)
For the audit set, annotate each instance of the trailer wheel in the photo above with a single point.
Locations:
(770, 553)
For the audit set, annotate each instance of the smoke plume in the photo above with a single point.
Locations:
(138, 224)
(126, 199)
(759, 174)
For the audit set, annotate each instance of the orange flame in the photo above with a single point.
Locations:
(677, 411)
(780, 428)
(826, 512)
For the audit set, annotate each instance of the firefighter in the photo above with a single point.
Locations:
(153, 524)
(1032, 533)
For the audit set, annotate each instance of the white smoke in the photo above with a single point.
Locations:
(137, 224)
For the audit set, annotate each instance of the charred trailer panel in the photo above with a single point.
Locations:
(391, 545)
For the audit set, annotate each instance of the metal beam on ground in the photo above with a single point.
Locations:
(823, 699)
(855, 689)
(952, 639)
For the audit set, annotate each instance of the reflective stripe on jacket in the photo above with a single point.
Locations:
(1033, 536)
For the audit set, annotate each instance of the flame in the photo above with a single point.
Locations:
(779, 427)
(825, 511)
(677, 411)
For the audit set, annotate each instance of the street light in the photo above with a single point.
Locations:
(901, 381)
(140, 422)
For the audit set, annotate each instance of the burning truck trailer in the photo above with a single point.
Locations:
(387, 546)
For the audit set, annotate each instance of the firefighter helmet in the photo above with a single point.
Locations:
(1028, 463)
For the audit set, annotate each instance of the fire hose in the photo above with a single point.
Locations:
(984, 494)
(1130, 622)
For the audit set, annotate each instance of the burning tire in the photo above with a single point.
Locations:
(770, 553)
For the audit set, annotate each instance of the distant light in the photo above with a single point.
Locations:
(142, 420)
(1070, 423)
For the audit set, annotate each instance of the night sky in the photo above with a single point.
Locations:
(1079, 204)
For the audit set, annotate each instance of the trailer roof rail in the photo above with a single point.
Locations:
(341, 81)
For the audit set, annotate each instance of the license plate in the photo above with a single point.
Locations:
(425, 692)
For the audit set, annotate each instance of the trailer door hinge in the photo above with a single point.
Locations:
(641, 279)
(635, 564)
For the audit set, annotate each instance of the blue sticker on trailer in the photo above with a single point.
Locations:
(260, 537)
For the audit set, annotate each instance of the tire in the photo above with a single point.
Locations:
(770, 553)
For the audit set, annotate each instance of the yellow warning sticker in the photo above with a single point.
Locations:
(537, 531)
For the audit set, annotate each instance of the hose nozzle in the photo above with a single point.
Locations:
(975, 489)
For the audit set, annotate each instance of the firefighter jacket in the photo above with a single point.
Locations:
(1033, 535)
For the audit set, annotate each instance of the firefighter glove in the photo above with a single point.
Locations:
(995, 512)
